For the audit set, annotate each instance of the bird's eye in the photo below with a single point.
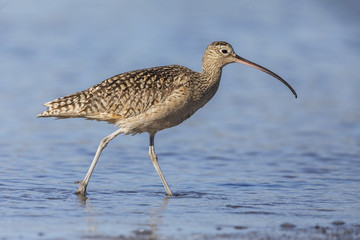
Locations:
(224, 51)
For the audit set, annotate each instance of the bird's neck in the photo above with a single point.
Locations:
(206, 84)
(211, 73)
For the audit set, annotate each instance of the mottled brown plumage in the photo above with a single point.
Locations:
(149, 100)
(127, 98)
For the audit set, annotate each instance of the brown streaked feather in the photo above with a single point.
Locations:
(122, 96)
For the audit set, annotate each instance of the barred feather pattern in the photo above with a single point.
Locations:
(122, 96)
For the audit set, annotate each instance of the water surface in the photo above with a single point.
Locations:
(254, 163)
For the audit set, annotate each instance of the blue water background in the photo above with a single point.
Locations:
(252, 159)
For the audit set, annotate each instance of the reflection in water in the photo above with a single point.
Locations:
(149, 231)
(92, 225)
(155, 218)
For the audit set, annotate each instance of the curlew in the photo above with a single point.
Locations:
(149, 100)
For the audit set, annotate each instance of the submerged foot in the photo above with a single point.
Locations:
(82, 189)
(169, 193)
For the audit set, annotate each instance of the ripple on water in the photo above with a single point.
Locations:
(239, 206)
(190, 194)
(237, 185)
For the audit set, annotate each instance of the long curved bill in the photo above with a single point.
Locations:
(241, 60)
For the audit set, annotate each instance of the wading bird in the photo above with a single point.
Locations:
(149, 100)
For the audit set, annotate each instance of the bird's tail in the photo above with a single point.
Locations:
(64, 107)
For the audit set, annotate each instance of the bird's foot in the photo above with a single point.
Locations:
(82, 188)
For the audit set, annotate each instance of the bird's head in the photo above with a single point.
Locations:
(218, 54)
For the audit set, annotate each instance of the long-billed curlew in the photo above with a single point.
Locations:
(149, 100)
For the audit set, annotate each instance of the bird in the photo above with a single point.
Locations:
(149, 100)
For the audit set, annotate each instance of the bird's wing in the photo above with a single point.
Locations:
(122, 96)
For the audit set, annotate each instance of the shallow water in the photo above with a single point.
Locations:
(253, 163)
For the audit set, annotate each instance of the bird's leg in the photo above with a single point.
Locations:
(154, 159)
(103, 143)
